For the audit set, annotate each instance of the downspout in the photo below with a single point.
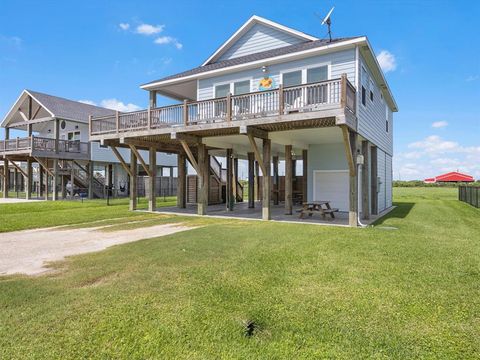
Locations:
(359, 194)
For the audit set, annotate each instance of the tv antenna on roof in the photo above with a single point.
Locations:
(327, 20)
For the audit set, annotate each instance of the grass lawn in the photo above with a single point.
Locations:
(32, 215)
(312, 291)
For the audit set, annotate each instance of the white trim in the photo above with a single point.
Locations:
(337, 46)
(232, 84)
(246, 26)
(304, 71)
(16, 104)
(33, 97)
(273, 60)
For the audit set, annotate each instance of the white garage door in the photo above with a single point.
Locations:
(332, 186)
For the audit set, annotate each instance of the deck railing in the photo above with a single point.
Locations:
(310, 97)
(35, 143)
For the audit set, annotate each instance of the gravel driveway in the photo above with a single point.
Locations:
(27, 252)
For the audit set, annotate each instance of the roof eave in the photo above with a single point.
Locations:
(16, 104)
(382, 75)
(334, 46)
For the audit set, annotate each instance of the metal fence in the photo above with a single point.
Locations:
(470, 195)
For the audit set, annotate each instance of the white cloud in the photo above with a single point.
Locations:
(115, 104)
(147, 29)
(387, 61)
(168, 40)
(439, 124)
(472, 78)
(124, 26)
(88, 102)
(433, 156)
(435, 144)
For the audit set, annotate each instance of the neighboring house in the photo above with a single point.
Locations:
(56, 151)
(268, 94)
(451, 177)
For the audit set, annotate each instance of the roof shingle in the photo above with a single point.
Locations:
(252, 57)
(69, 109)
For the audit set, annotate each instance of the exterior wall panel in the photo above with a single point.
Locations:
(259, 38)
(339, 62)
(372, 117)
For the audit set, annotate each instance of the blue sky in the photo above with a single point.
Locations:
(79, 50)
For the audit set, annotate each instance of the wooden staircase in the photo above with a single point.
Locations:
(218, 185)
(81, 177)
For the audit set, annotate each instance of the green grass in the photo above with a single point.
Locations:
(314, 291)
(22, 216)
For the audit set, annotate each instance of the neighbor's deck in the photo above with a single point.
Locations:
(41, 147)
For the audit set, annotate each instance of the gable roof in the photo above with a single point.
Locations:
(58, 107)
(69, 109)
(247, 26)
(453, 176)
(312, 46)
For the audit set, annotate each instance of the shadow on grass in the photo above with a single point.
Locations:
(400, 212)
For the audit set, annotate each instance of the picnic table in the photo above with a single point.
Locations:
(321, 207)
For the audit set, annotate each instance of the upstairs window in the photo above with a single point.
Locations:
(364, 96)
(317, 74)
(241, 87)
(74, 135)
(222, 90)
(293, 78)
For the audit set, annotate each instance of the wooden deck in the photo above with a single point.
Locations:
(274, 110)
(33, 146)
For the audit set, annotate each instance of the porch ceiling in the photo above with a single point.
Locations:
(299, 139)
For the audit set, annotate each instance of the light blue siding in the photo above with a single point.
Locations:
(339, 62)
(383, 166)
(372, 117)
(388, 182)
(259, 38)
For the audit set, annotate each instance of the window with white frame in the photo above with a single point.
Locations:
(317, 74)
(317, 94)
(74, 135)
(222, 90)
(241, 87)
(293, 78)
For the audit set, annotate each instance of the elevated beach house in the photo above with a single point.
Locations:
(55, 151)
(268, 95)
